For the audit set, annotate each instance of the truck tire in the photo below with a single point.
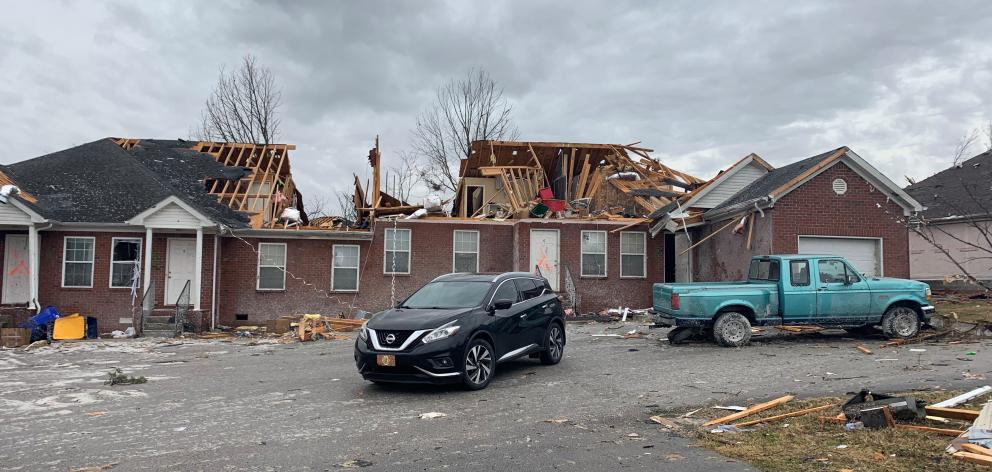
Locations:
(732, 329)
(900, 322)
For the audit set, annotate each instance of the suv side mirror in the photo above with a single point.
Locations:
(399, 303)
(501, 304)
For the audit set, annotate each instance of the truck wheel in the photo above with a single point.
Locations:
(732, 329)
(900, 322)
(681, 335)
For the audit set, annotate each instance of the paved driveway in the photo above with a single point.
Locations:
(230, 406)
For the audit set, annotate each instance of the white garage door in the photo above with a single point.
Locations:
(865, 253)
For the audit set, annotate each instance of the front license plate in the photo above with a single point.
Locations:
(386, 360)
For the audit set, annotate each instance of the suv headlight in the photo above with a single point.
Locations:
(443, 332)
(363, 334)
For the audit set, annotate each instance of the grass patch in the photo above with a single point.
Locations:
(806, 444)
(117, 377)
(970, 311)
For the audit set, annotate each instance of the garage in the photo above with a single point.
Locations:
(864, 253)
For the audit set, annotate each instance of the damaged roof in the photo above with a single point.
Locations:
(962, 190)
(101, 182)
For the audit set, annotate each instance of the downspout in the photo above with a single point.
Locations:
(213, 285)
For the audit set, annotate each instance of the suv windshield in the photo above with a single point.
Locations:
(441, 295)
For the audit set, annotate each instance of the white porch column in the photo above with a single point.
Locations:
(33, 264)
(198, 271)
(147, 262)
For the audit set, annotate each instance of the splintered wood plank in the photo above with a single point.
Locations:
(976, 449)
(583, 176)
(571, 171)
(952, 413)
(785, 415)
(751, 410)
(597, 180)
(973, 458)
(927, 429)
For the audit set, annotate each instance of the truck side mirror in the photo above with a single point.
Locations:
(849, 279)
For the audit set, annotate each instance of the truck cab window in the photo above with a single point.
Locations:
(764, 269)
(832, 272)
(799, 273)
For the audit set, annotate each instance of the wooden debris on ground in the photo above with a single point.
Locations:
(751, 410)
(800, 329)
(863, 349)
(785, 415)
(313, 327)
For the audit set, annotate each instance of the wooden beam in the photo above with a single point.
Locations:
(976, 449)
(597, 180)
(750, 230)
(631, 225)
(952, 413)
(973, 458)
(927, 429)
(571, 171)
(751, 410)
(785, 415)
(701, 241)
(583, 176)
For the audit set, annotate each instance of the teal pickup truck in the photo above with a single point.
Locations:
(792, 290)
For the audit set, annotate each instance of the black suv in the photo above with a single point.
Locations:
(459, 326)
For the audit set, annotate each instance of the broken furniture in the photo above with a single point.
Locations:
(903, 408)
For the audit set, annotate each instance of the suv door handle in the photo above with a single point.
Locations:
(523, 316)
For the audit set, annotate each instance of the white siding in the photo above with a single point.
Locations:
(927, 262)
(11, 215)
(172, 216)
(731, 186)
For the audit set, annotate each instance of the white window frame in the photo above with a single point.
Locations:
(92, 262)
(644, 255)
(408, 251)
(358, 264)
(113, 243)
(258, 267)
(454, 251)
(605, 253)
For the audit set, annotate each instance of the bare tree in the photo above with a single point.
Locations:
(987, 131)
(346, 205)
(317, 205)
(244, 106)
(965, 143)
(403, 178)
(464, 110)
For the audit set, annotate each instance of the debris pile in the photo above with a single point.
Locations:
(292, 328)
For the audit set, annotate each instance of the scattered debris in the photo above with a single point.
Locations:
(964, 397)
(432, 415)
(904, 408)
(118, 377)
(555, 420)
(863, 349)
(731, 408)
(354, 464)
(751, 410)
(36, 344)
(96, 468)
(785, 415)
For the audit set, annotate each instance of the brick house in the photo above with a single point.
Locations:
(831, 203)
(100, 228)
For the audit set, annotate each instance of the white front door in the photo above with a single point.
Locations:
(16, 270)
(864, 253)
(180, 264)
(544, 254)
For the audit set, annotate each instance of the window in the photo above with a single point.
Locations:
(506, 291)
(528, 288)
(271, 266)
(344, 268)
(832, 272)
(799, 273)
(466, 257)
(593, 254)
(633, 254)
(397, 254)
(125, 262)
(764, 269)
(77, 262)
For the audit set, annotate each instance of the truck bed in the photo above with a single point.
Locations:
(703, 300)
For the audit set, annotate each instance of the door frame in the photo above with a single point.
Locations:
(881, 247)
(556, 284)
(6, 249)
(165, 286)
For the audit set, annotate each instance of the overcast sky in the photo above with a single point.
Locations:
(702, 83)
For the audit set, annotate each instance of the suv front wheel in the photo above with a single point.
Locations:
(480, 364)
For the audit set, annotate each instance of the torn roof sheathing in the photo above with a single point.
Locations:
(575, 171)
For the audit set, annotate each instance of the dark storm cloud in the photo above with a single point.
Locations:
(703, 84)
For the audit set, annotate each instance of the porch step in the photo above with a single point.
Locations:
(159, 333)
(159, 327)
(157, 319)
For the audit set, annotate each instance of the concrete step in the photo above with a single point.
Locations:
(159, 333)
(157, 319)
(159, 326)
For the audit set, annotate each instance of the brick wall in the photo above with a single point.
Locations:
(815, 209)
(431, 255)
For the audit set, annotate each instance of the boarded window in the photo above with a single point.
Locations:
(397, 254)
(77, 265)
(594, 253)
(466, 251)
(344, 268)
(271, 266)
(125, 262)
(633, 254)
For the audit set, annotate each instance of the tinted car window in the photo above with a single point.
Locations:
(449, 295)
(528, 288)
(506, 291)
